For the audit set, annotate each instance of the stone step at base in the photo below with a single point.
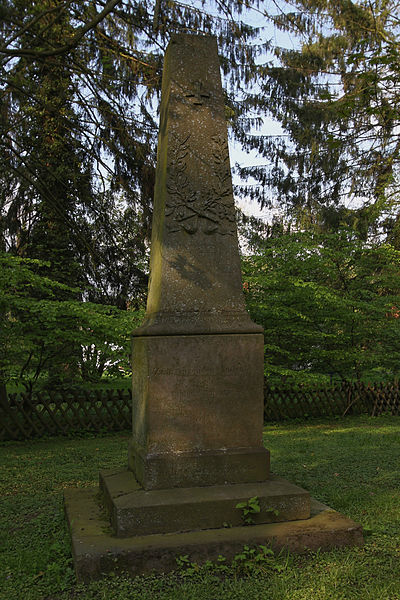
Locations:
(134, 511)
(97, 551)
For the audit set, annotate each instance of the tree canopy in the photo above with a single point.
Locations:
(336, 96)
(329, 304)
(83, 79)
(79, 92)
(35, 324)
(80, 83)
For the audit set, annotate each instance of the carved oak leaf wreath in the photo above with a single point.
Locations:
(193, 210)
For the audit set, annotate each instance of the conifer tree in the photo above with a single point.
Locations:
(80, 85)
(336, 95)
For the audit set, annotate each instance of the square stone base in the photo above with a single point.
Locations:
(96, 551)
(134, 511)
(197, 410)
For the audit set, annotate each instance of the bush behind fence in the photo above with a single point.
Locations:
(47, 414)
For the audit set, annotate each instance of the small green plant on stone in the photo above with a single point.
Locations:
(249, 508)
(274, 511)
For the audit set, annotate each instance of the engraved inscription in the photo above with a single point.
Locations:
(191, 210)
(196, 92)
(193, 372)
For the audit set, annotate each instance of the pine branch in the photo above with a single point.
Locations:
(81, 32)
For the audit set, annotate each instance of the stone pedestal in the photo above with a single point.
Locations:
(198, 410)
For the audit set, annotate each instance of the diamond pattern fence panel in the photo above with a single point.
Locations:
(301, 402)
(47, 414)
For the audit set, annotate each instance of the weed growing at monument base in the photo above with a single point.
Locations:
(352, 464)
(251, 561)
(252, 507)
(249, 508)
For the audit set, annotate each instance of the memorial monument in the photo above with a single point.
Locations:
(196, 450)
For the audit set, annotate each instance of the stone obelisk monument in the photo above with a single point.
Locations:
(198, 358)
(196, 451)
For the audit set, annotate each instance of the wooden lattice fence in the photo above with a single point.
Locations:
(291, 402)
(46, 414)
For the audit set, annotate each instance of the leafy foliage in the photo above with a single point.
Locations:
(329, 306)
(249, 507)
(249, 562)
(35, 323)
(80, 85)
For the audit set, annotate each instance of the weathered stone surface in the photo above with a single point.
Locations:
(134, 511)
(195, 277)
(199, 468)
(198, 359)
(198, 410)
(97, 552)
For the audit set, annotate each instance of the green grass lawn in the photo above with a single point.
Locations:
(352, 464)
